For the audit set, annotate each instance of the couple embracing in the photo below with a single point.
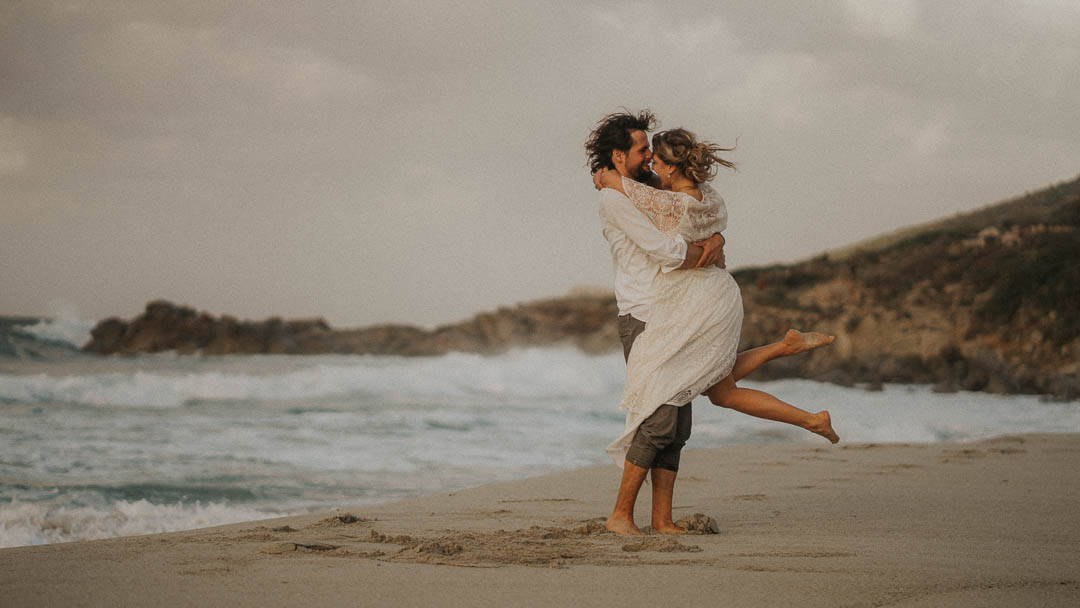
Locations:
(680, 311)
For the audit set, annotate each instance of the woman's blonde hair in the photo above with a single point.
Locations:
(696, 159)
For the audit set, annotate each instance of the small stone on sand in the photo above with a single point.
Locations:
(699, 523)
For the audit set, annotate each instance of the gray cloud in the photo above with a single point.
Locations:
(419, 161)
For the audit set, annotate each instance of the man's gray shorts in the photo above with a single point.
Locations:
(659, 440)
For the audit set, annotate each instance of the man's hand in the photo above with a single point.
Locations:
(712, 251)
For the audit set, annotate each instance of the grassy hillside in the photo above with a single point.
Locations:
(1002, 284)
(1043, 206)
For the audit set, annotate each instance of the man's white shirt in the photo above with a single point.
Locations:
(638, 251)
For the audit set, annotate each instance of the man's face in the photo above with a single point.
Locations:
(636, 160)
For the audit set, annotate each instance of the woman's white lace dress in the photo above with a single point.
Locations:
(692, 335)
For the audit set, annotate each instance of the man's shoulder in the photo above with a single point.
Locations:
(611, 199)
(611, 194)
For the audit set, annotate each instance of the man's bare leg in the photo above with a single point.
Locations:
(621, 520)
(794, 342)
(763, 405)
(663, 490)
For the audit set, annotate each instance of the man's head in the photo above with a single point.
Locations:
(619, 142)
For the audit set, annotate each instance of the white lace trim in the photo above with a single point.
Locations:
(677, 213)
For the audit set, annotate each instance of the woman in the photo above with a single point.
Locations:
(689, 345)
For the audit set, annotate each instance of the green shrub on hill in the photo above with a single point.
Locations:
(1043, 276)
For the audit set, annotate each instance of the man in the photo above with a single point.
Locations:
(639, 251)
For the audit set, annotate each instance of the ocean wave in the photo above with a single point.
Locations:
(532, 373)
(67, 332)
(79, 473)
(35, 523)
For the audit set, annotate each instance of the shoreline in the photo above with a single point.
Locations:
(861, 524)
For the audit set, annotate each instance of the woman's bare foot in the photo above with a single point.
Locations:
(623, 527)
(668, 528)
(821, 423)
(796, 342)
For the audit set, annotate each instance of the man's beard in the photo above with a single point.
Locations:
(643, 173)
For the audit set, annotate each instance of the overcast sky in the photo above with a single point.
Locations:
(422, 161)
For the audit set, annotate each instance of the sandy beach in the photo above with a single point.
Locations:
(991, 523)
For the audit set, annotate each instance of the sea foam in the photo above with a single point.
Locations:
(531, 373)
(43, 523)
(94, 447)
(68, 332)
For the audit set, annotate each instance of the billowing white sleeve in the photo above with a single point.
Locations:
(669, 252)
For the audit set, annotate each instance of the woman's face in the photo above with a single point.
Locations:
(664, 171)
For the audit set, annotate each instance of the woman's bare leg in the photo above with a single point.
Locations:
(794, 342)
(763, 405)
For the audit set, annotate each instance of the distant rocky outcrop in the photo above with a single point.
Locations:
(988, 301)
(586, 321)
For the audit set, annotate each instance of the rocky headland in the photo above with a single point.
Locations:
(586, 321)
(987, 301)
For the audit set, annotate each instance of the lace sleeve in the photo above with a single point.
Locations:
(665, 209)
(678, 214)
(708, 216)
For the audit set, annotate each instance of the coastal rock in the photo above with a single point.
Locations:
(164, 326)
(586, 321)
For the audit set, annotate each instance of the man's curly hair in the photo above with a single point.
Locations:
(613, 133)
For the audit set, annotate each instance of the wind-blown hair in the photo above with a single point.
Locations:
(696, 159)
(613, 133)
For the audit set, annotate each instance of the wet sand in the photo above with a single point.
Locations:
(992, 523)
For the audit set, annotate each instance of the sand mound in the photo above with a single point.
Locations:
(661, 544)
(585, 543)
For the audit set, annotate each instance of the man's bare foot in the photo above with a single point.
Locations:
(668, 528)
(822, 425)
(796, 342)
(621, 526)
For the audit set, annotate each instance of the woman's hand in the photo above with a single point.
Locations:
(607, 178)
(596, 179)
(712, 251)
